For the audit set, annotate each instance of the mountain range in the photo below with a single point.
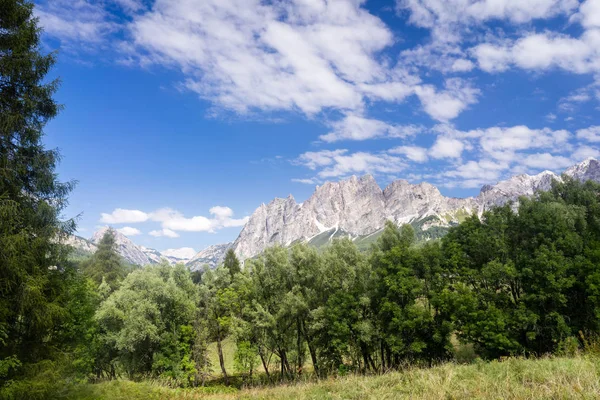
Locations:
(355, 207)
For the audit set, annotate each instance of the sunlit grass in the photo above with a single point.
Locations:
(548, 378)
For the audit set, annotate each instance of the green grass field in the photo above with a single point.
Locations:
(548, 378)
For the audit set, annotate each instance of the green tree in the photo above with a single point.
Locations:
(149, 321)
(408, 324)
(218, 300)
(232, 263)
(31, 197)
(523, 282)
(342, 322)
(106, 265)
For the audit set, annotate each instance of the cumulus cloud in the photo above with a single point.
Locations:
(546, 161)
(542, 51)
(75, 22)
(267, 56)
(251, 56)
(129, 231)
(173, 221)
(354, 127)
(123, 216)
(164, 233)
(591, 134)
(433, 13)
(502, 142)
(473, 174)
(339, 163)
(446, 147)
(449, 103)
(466, 159)
(589, 14)
(413, 153)
(585, 152)
(184, 253)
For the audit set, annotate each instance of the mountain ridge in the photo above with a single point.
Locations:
(356, 207)
(359, 206)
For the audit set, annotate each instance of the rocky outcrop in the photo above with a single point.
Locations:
(211, 256)
(359, 207)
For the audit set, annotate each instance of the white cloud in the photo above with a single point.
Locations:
(546, 161)
(466, 159)
(194, 224)
(306, 181)
(413, 153)
(449, 103)
(338, 163)
(585, 152)
(221, 218)
(317, 159)
(501, 143)
(542, 51)
(440, 55)
(474, 174)
(589, 13)
(222, 212)
(129, 231)
(164, 233)
(75, 22)
(246, 54)
(130, 5)
(123, 216)
(173, 221)
(591, 134)
(184, 253)
(354, 127)
(435, 13)
(446, 147)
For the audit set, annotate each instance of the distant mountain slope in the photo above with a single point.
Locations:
(211, 256)
(130, 251)
(359, 208)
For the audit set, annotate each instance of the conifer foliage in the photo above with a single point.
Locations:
(32, 261)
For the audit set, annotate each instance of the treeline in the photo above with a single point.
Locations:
(508, 283)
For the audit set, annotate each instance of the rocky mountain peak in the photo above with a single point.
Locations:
(211, 256)
(358, 206)
(587, 170)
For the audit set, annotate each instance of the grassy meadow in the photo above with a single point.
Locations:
(546, 378)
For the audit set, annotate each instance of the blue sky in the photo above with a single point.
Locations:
(183, 117)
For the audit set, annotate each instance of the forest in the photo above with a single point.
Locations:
(522, 280)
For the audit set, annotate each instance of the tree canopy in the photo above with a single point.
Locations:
(32, 262)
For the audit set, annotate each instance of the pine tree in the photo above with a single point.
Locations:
(106, 265)
(232, 263)
(32, 261)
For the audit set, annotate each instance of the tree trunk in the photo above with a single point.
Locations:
(300, 350)
(264, 363)
(313, 356)
(382, 358)
(365, 359)
(221, 359)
